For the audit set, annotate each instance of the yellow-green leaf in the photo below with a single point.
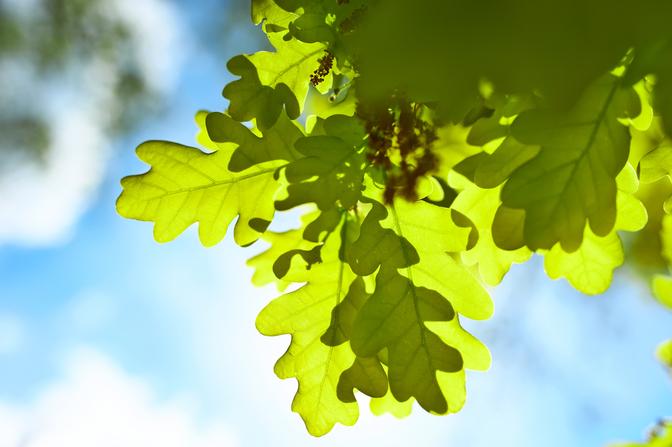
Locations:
(590, 268)
(291, 64)
(431, 230)
(396, 318)
(306, 315)
(186, 185)
(388, 404)
(480, 206)
(280, 243)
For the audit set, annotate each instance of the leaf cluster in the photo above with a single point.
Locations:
(424, 168)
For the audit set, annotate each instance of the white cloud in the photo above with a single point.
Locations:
(40, 203)
(98, 404)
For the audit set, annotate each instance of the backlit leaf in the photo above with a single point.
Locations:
(590, 268)
(250, 99)
(480, 206)
(186, 185)
(366, 373)
(330, 174)
(396, 315)
(393, 318)
(277, 143)
(573, 179)
(432, 231)
(306, 315)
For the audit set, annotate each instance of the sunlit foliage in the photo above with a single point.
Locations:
(431, 145)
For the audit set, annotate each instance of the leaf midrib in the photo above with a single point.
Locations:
(295, 64)
(214, 184)
(591, 140)
(423, 341)
(339, 292)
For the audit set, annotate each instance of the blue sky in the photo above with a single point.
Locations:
(105, 332)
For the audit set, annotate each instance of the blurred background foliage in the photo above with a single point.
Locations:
(49, 39)
(78, 76)
(44, 41)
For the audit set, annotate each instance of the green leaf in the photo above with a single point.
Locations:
(322, 21)
(343, 315)
(474, 355)
(310, 256)
(322, 225)
(663, 98)
(433, 233)
(396, 315)
(388, 404)
(590, 268)
(280, 243)
(486, 130)
(306, 315)
(377, 246)
(271, 80)
(502, 153)
(332, 170)
(366, 373)
(507, 228)
(186, 185)
(480, 206)
(312, 26)
(250, 99)
(293, 5)
(277, 143)
(271, 14)
(451, 149)
(656, 164)
(497, 167)
(291, 64)
(393, 318)
(572, 180)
